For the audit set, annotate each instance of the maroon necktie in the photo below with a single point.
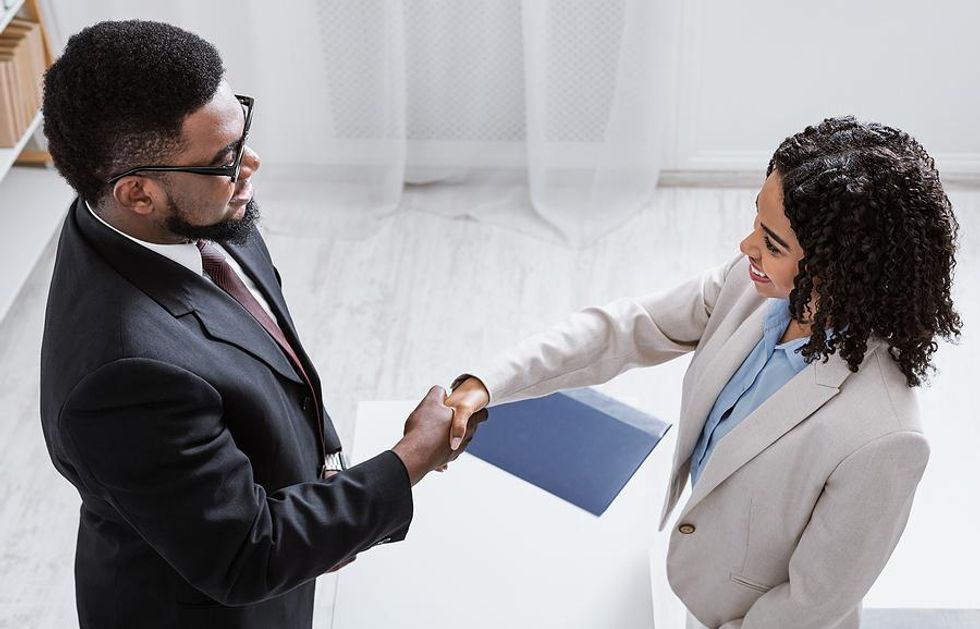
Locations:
(225, 277)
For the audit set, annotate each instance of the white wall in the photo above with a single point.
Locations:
(754, 71)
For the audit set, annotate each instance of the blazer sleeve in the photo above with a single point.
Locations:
(149, 439)
(601, 342)
(854, 528)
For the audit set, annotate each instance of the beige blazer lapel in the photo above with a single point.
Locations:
(720, 363)
(792, 403)
(719, 367)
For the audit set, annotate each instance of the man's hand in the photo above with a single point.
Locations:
(425, 446)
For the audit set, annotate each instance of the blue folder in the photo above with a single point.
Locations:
(580, 445)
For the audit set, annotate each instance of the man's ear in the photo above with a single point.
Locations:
(140, 195)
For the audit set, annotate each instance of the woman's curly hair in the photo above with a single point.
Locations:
(879, 235)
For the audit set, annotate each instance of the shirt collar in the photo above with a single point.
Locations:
(185, 254)
(776, 319)
(774, 325)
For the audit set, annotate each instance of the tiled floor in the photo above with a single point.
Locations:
(388, 306)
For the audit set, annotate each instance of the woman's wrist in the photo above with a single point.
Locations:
(471, 394)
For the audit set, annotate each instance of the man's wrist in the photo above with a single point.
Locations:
(411, 460)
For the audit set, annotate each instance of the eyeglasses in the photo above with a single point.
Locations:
(231, 171)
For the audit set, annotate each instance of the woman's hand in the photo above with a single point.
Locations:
(468, 398)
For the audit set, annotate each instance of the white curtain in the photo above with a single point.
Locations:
(538, 113)
(544, 115)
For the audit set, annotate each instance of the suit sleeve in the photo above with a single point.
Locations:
(149, 438)
(599, 343)
(854, 528)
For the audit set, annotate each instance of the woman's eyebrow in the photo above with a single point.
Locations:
(771, 233)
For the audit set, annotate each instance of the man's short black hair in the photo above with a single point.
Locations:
(118, 95)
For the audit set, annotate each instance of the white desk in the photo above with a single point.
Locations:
(487, 550)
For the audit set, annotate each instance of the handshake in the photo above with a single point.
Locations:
(441, 427)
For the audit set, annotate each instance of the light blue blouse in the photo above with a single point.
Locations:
(768, 367)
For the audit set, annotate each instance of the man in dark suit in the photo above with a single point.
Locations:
(175, 392)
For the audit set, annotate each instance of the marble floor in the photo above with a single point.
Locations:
(390, 305)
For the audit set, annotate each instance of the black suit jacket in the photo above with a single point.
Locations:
(193, 444)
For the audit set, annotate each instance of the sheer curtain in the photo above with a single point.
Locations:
(544, 114)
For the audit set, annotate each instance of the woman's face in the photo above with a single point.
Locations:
(771, 247)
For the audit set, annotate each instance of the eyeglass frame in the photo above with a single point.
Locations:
(231, 171)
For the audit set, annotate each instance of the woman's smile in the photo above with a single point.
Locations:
(757, 274)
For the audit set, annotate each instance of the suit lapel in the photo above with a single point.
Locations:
(720, 365)
(721, 357)
(258, 268)
(261, 273)
(226, 320)
(793, 402)
(799, 398)
(254, 262)
(181, 292)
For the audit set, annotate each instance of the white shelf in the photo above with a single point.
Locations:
(9, 156)
(33, 202)
(8, 14)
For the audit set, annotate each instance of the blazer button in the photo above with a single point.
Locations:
(686, 529)
(307, 402)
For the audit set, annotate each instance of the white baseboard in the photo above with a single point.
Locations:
(722, 169)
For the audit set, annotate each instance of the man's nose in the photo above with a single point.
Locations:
(250, 162)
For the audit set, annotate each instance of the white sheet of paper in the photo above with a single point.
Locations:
(488, 550)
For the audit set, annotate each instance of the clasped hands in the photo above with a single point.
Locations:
(438, 431)
(441, 427)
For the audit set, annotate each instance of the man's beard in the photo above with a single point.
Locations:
(234, 230)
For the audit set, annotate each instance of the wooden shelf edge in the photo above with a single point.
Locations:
(33, 157)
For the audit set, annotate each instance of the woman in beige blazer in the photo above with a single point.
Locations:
(798, 417)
